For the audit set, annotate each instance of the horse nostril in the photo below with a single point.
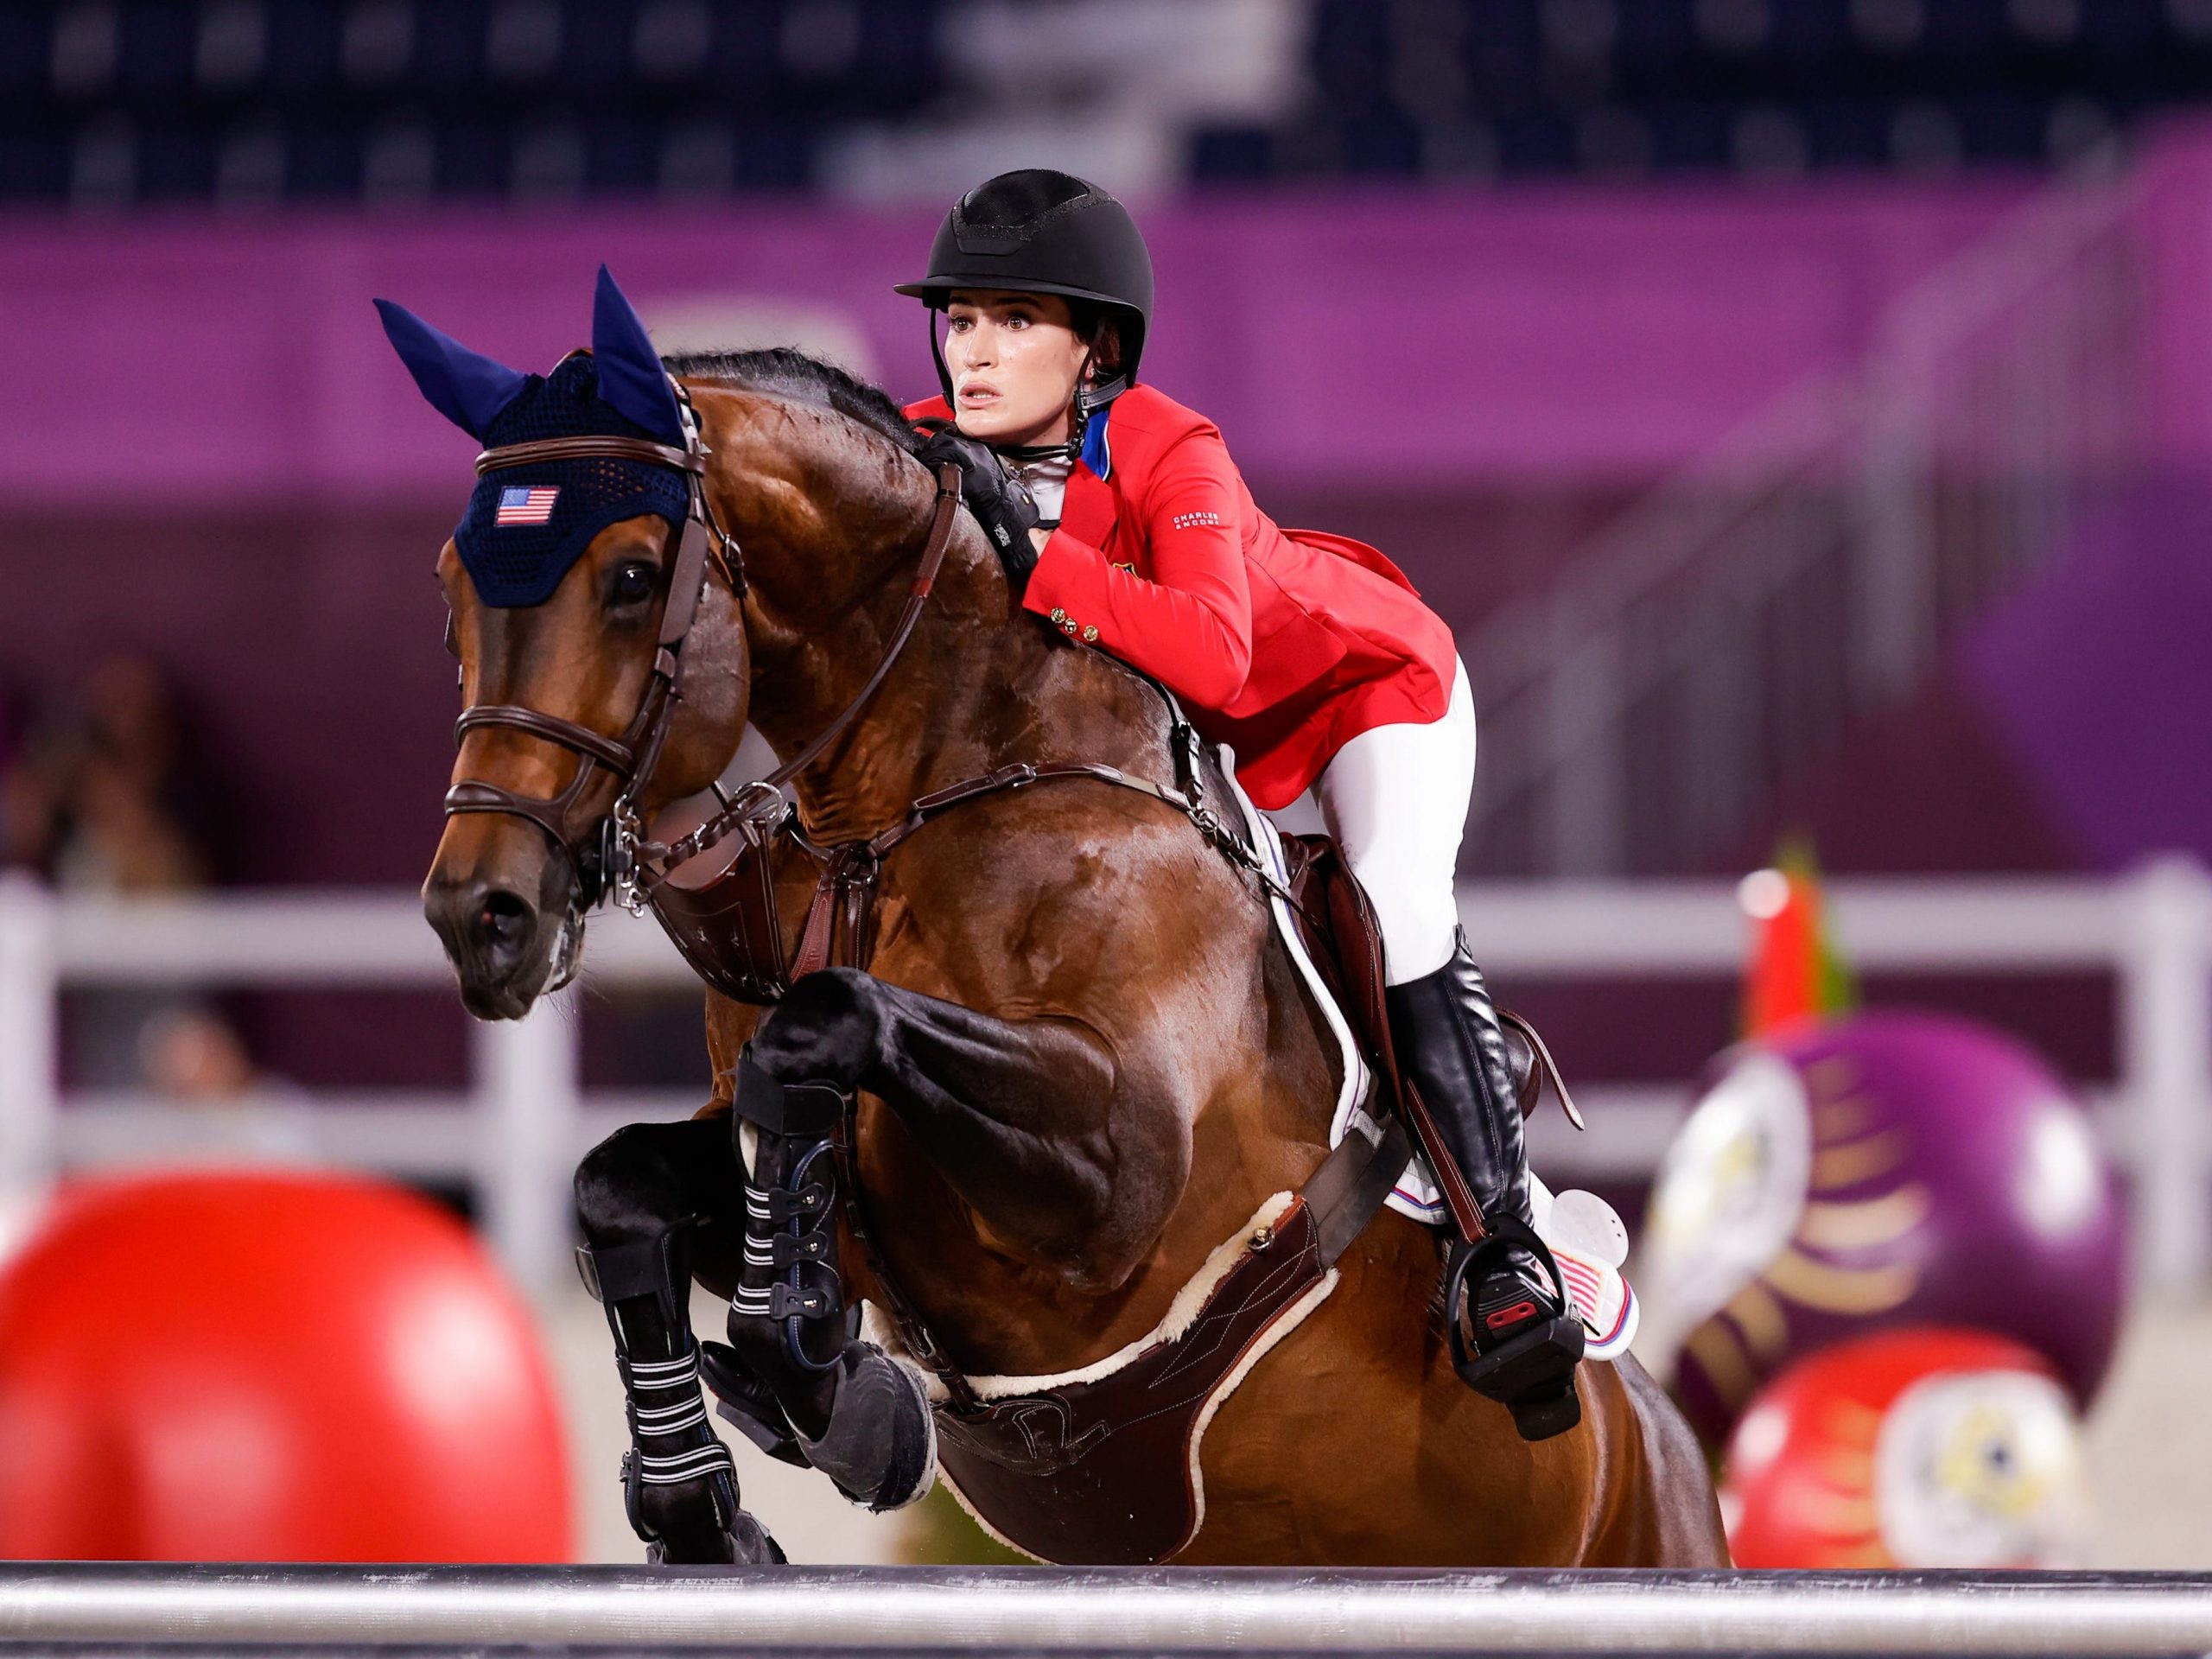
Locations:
(503, 923)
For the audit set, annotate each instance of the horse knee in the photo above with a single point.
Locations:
(626, 1182)
(828, 1028)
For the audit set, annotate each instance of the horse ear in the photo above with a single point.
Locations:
(630, 374)
(468, 388)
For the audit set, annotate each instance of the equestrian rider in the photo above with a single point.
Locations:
(1123, 522)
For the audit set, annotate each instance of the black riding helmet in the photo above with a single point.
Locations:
(1046, 232)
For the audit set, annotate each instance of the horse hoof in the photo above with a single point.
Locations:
(743, 1542)
(751, 1544)
(696, 1521)
(880, 1448)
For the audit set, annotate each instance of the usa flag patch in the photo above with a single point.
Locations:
(526, 503)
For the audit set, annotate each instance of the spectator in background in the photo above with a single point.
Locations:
(227, 1108)
(110, 795)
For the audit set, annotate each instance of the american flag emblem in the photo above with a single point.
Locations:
(526, 503)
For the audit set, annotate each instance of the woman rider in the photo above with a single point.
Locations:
(1122, 521)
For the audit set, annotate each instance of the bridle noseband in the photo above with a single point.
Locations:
(610, 856)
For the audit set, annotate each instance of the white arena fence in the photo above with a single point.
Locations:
(515, 1136)
(66, 1607)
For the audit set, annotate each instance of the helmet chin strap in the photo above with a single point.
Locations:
(937, 350)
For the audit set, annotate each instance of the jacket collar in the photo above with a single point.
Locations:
(1089, 510)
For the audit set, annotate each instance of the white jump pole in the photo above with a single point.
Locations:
(528, 1124)
(1142, 1610)
(2165, 1003)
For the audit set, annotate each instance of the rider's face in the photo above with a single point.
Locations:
(1013, 359)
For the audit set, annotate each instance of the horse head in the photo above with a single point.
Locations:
(559, 578)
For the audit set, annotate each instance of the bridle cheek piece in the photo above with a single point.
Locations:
(606, 855)
(610, 855)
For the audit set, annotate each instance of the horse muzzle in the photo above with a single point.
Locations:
(508, 948)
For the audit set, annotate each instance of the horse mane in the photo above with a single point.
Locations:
(790, 372)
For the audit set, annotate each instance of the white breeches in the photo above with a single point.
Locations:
(1396, 800)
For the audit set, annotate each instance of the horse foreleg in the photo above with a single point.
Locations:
(1021, 1117)
(1018, 1118)
(643, 1195)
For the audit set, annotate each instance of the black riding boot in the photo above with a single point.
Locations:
(1525, 1341)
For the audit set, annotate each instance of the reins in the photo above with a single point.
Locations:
(620, 861)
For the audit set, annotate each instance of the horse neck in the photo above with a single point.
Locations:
(980, 684)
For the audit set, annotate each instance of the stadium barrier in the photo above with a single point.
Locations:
(516, 1134)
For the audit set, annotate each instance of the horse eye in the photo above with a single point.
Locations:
(632, 584)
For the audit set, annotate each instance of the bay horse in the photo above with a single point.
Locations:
(1082, 1057)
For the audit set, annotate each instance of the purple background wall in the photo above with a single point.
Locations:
(213, 456)
(1423, 337)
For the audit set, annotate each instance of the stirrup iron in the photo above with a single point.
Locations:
(1531, 1374)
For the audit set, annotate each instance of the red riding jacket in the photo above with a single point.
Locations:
(1283, 643)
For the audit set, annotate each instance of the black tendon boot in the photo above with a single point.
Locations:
(1501, 1296)
(679, 1486)
(796, 1379)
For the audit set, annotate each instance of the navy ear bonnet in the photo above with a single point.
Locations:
(526, 525)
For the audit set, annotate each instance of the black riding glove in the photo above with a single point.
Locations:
(1000, 501)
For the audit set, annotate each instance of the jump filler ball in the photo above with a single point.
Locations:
(1921, 1447)
(265, 1367)
(1878, 1170)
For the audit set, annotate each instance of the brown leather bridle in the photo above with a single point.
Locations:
(610, 855)
(630, 757)
(729, 927)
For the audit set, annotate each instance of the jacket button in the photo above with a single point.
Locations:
(1068, 627)
(1059, 614)
(1089, 636)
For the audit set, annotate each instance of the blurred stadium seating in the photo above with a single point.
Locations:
(113, 102)
(1439, 87)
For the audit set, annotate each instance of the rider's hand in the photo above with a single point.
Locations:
(1000, 501)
